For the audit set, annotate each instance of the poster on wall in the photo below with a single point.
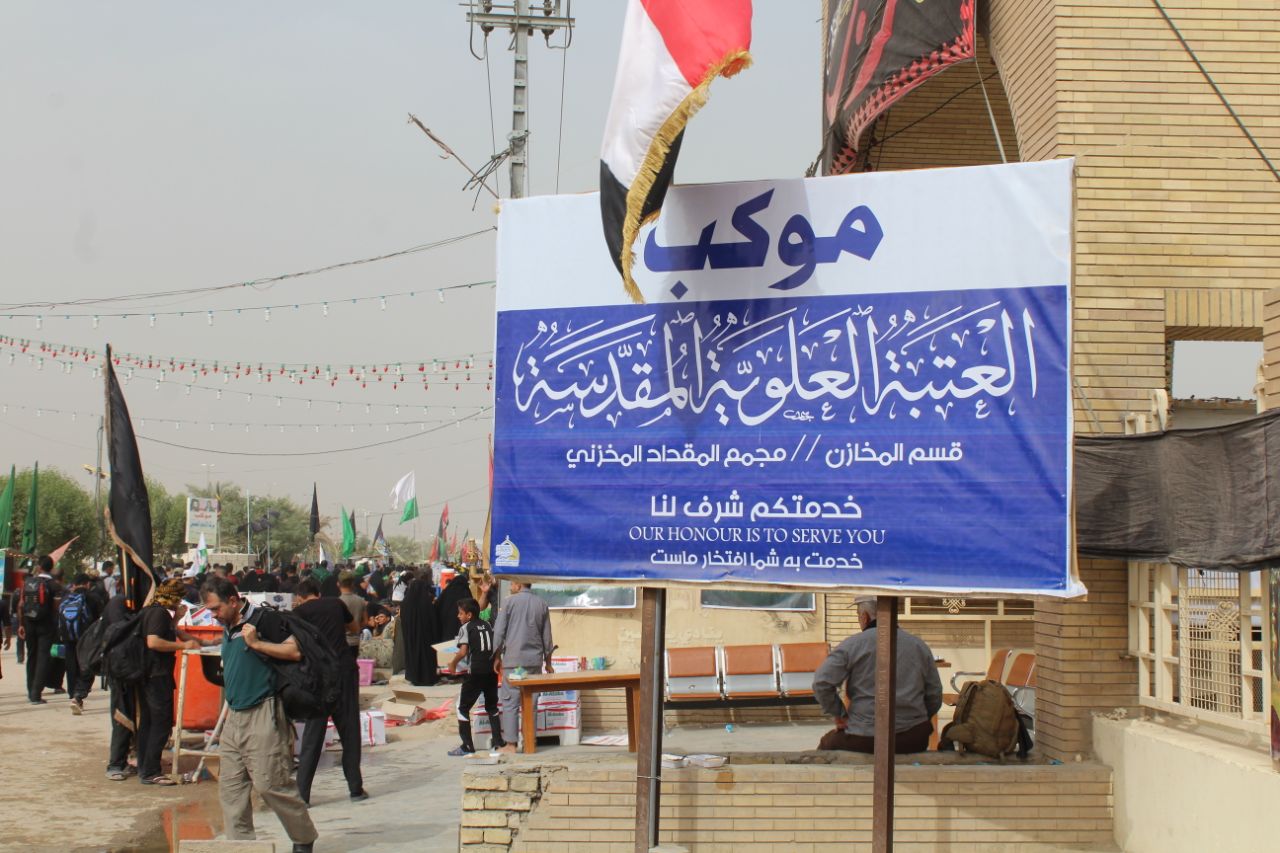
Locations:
(202, 518)
(855, 381)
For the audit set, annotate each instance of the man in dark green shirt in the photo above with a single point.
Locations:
(254, 749)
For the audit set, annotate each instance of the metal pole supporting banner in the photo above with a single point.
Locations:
(653, 614)
(519, 99)
(886, 708)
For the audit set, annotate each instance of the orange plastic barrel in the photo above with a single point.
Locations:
(204, 699)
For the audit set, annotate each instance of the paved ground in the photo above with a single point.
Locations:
(56, 796)
(53, 766)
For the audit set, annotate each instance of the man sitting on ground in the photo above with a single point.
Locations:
(853, 663)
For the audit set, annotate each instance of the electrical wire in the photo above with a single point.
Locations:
(458, 422)
(145, 312)
(993, 75)
(493, 125)
(41, 411)
(564, 62)
(1221, 97)
(257, 283)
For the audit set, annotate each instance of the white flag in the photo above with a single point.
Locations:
(324, 558)
(405, 492)
(202, 554)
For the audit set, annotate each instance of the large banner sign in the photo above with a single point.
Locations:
(202, 517)
(855, 381)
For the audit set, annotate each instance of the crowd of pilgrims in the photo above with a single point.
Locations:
(405, 604)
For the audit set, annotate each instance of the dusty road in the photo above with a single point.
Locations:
(56, 797)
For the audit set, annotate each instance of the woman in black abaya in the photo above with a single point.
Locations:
(420, 627)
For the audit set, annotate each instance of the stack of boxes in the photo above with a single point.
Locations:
(558, 713)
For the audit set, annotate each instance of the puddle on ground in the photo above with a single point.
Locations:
(200, 819)
(195, 821)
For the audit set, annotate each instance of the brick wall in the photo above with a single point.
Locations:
(800, 808)
(1271, 347)
(1080, 660)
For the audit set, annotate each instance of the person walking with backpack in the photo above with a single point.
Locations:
(475, 643)
(37, 606)
(334, 622)
(75, 613)
(255, 752)
(158, 626)
(123, 706)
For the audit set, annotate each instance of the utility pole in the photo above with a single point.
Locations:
(521, 19)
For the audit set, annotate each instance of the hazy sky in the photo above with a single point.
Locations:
(153, 146)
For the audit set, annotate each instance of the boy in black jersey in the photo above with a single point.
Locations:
(475, 641)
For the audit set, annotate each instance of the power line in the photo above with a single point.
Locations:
(208, 313)
(564, 63)
(42, 411)
(458, 422)
(255, 283)
(1221, 97)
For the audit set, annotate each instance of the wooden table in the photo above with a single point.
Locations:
(596, 679)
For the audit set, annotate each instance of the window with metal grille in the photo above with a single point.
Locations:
(1200, 639)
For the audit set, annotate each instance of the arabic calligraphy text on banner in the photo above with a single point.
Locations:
(886, 418)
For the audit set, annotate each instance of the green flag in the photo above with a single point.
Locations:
(6, 513)
(31, 524)
(348, 534)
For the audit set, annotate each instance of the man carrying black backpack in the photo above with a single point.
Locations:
(335, 623)
(255, 752)
(37, 606)
(76, 612)
(122, 706)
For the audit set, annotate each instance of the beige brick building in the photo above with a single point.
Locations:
(1177, 237)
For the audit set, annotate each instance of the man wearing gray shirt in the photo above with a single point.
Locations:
(521, 640)
(853, 663)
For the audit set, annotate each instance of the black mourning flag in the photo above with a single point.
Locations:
(128, 508)
(878, 51)
(315, 513)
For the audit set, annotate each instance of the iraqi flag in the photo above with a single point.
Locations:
(671, 51)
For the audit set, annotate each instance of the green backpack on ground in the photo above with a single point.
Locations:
(986, 722)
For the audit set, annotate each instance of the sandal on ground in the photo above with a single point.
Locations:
(460, 750)
(162, 781)
(116, 775)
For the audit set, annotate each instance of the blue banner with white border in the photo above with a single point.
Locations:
(827, 387)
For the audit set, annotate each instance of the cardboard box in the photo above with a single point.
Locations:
(329, 736)
(559, 717)
(552, 718)
(373, 728)
(405, 714)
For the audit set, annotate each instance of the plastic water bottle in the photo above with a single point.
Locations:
(729, 728)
